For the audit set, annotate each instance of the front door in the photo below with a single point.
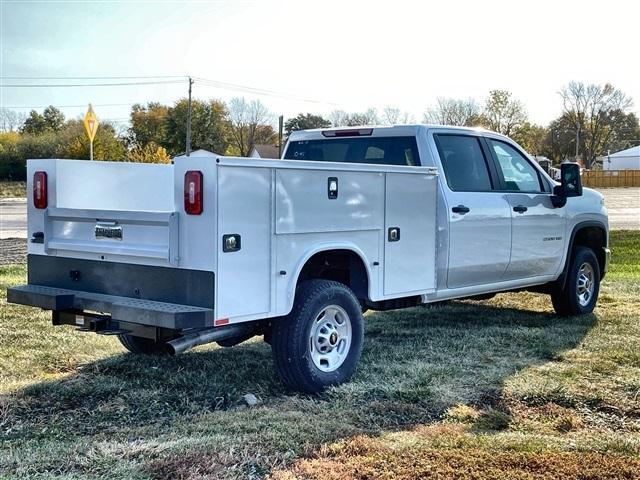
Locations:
(479, 217)
(538, 227)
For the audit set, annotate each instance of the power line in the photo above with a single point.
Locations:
(168, 79)
(116, 77)
(75, 106)
(258, 91)
(50, 85)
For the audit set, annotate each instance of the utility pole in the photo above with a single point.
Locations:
(280, 123)
(188, 140)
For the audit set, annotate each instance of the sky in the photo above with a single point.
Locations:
(316, 56)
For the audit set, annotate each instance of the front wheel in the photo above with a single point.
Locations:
(582, 285)
(319, 343)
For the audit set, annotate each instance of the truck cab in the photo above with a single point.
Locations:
(220, 249)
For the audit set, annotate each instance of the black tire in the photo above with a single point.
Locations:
(566, 301)
(141, 345)
(291, 343)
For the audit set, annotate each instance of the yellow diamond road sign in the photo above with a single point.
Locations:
(91, 123)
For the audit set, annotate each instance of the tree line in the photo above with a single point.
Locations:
(594, 119)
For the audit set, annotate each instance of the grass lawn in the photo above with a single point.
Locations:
(13, 189)
(494, 389)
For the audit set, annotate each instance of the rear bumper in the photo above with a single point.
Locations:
(107, 307)
(152, 296)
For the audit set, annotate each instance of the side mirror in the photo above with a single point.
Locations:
(570, 184)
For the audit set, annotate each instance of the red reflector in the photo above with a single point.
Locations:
(40, 189)
(193, 192)
(221, 321)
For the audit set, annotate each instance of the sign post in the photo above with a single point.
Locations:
(91, 126)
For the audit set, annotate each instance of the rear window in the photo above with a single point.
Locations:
(375, 150)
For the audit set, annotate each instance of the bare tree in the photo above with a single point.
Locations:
(451, 111)
(11, 120)
(249, 124)
(390, 115)
(393, 116)
(595, 111)
(338, 118)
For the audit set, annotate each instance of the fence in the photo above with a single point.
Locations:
(611, 178)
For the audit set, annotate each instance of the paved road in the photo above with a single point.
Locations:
(13, 218)
(623, 205)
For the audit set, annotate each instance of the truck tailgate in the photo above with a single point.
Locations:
(152, 235)
(106, 211)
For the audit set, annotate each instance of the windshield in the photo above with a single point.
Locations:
(375, 150)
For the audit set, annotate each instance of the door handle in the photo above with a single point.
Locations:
(520, 208)
(461, 209)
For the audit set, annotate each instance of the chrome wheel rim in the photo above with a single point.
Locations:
(330, 338)
(585, 284)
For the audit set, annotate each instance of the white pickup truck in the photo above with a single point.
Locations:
(220, 249)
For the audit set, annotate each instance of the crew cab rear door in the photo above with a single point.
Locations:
(479, 218)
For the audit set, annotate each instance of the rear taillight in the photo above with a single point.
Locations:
(40, 189)
(193, 192)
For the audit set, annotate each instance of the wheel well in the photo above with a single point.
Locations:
(595, 238)
(344, 266)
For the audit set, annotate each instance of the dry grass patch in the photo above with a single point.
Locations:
(366, 458)
(13, 189)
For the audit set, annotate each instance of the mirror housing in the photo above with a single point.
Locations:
(570, 184)
(570, 180)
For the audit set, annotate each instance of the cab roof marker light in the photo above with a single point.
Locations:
(357, 132)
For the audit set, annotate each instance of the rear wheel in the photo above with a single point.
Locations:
(319, 343)
(582, 285)
(141, 345)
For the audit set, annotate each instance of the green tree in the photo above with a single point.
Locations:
(150, 153)
(209, 126)
(73, 142)
(560, 139)
(148, 124)
(305, 121)
(53, 118)
(12, 165)
(625, 132)
(34, 124)
(531, 137)
(502, 113)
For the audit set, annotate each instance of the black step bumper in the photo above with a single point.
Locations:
(124, 309)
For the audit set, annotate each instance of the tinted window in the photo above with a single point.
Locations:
(464, 163)
(376, 150)
(516, 171)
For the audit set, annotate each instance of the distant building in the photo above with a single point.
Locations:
(628, 159)
(263, 150)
